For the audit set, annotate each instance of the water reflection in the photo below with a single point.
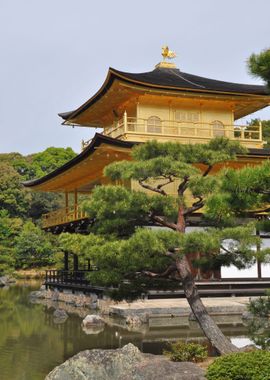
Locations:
(31, 343)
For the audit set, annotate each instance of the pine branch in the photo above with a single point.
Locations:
(230, 252)
(163, 222)
(183, 186)
(151, 188)
(170, 180)
(207, 171)
(171, 269)
(196, 206)
(225, 250)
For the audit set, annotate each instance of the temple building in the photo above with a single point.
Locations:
(164, 104)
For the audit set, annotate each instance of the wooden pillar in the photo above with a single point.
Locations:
(67, 206)
(260, 131)
(66, 261)
(76, 204)
(66, 199)
(75, 262)
(125, 121)
(259, 264)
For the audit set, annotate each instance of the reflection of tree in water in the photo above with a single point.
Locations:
(259, 324)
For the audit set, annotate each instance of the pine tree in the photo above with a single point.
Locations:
(133, 258)
(259, 65)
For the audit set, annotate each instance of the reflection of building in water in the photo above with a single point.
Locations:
(164, 104)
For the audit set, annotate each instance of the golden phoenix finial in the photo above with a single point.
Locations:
(167, 53)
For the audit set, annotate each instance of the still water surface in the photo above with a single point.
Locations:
(32, 344)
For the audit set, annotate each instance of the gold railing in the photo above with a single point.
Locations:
(188, 130)
(63, 216)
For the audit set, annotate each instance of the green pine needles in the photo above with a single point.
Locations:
(127, 242)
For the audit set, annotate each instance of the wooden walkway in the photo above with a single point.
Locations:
(77, 281)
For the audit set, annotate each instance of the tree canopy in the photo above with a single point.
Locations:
(134, 258)
(259, 65)
(27, 245)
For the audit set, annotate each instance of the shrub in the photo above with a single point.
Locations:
(254, 365)
(260, 307)
(186, 352)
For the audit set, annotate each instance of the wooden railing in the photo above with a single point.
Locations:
(67, 277)
(63, 216)
(189, 130)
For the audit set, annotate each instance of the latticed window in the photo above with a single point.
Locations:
(154, 124)
(187, 116)
(218, 128)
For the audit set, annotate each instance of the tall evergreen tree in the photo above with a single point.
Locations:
(134, 259)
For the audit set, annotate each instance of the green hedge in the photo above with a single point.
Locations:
(254, 365)
(186, 352)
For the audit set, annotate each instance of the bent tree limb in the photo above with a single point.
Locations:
(207, 324)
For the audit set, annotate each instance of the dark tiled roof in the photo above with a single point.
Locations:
(178, 79)
(165, 78)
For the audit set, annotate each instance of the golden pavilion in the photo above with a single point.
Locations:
(164, 104)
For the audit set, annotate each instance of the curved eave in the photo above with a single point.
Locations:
(89, 150)
(99, 141)
(203, 85)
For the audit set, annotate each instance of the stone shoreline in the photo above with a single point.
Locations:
(159, 312)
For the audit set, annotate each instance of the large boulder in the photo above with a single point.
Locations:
(126, 363)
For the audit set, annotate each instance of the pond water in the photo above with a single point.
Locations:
(32, 344)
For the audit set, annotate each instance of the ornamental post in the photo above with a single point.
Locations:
(125, 121)
(260, 130)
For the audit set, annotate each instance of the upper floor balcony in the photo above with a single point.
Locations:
(186, 132)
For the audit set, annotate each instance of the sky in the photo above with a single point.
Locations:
(55, 55)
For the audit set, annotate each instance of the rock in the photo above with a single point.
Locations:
(6, 280)
(93, 305)
(60, 313)
(37, 294)
(93, 320)
(247, 316)
(137, 320)
(126, 363)
(55, 295)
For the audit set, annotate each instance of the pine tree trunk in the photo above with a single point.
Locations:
(208, 326)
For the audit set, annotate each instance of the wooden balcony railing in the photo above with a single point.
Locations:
(186, 130)
(63, 216)
(66, 277)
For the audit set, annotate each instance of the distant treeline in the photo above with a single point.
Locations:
(23, 244)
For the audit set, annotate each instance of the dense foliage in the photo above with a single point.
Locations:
(22, 242)
(186, 352)
(259, 323)
(259, 65)
(133, 259)
(122, 250)
(254, 365)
